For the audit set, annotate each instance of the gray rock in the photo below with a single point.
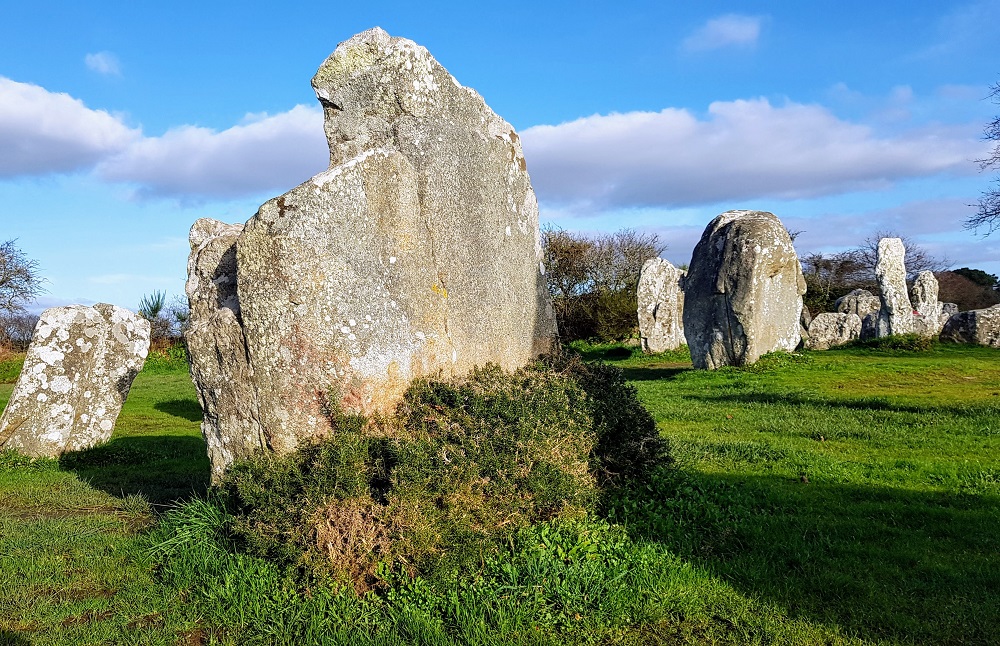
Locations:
(869, 326)
(417, 253)
(220, 367)
(832, 328)
(859, 301)
(76, 376)
(980, 327)
(926, 306)
(949, 308)
(661, 302)
(896, 313)
(743, 291)
(805, 320)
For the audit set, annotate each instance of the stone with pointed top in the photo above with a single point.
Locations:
(417, 253)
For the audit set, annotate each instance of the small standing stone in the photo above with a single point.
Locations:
(926, 306)
(743, 291)
(76, 376)
(896, 314)
(661, 302)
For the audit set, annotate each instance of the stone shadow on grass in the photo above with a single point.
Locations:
(162, 468)
(188, 409)
(880, 563)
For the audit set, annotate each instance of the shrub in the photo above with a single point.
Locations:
(904, 342)
(461, 466)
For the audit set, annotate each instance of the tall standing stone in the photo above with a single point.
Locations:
(743, 291)
(895, 315)
(76, 375)
(661, 302)
(220, 366)
(926, 306)
(416, 253)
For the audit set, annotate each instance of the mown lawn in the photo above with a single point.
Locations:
(849, 496)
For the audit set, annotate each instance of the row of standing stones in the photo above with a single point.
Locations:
(416, 254)
(745, 289)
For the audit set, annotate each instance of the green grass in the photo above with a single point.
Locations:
(847, 496)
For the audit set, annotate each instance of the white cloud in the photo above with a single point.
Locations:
(725, 31)
(743, 149)
(104, 63)
(48, 132)
(263, 153)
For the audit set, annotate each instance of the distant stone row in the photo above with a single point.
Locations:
(742, 298)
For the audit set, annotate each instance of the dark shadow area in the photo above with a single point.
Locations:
(8, 638)
(654, 373)
(188, 409)
(880, 563)
(162, 468)
(860, 403)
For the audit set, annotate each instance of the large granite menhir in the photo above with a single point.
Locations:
(660, 304)
(76, 376)
(743, 291)
(417, 253)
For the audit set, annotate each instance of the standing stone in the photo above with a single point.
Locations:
(858, 301)
(661, 302)
(76, 376)
(220, 367)
(980, 327)
(417, 253)
(926, 306)
(832, 328)
(895, 315)
(743, 291)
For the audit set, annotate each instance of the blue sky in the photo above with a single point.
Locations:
(122, 123)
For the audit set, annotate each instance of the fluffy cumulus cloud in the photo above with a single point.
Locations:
(725, 31)
(264, 153)
(740, 150)
(104, 63)
(49, 132)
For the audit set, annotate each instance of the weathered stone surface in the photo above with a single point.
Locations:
(833, 328)
(76, 376)
(926, 306)
(980, 327)
(805, 320)
(869, 326)
(220, 367)
(743, 291)
(416, 253)
(859, 301)
(661, 302)
(896, 313)
(947, 311)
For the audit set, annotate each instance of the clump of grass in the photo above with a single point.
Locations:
(895, 342)
(459, 467)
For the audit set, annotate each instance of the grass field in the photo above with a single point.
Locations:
(848, 496)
